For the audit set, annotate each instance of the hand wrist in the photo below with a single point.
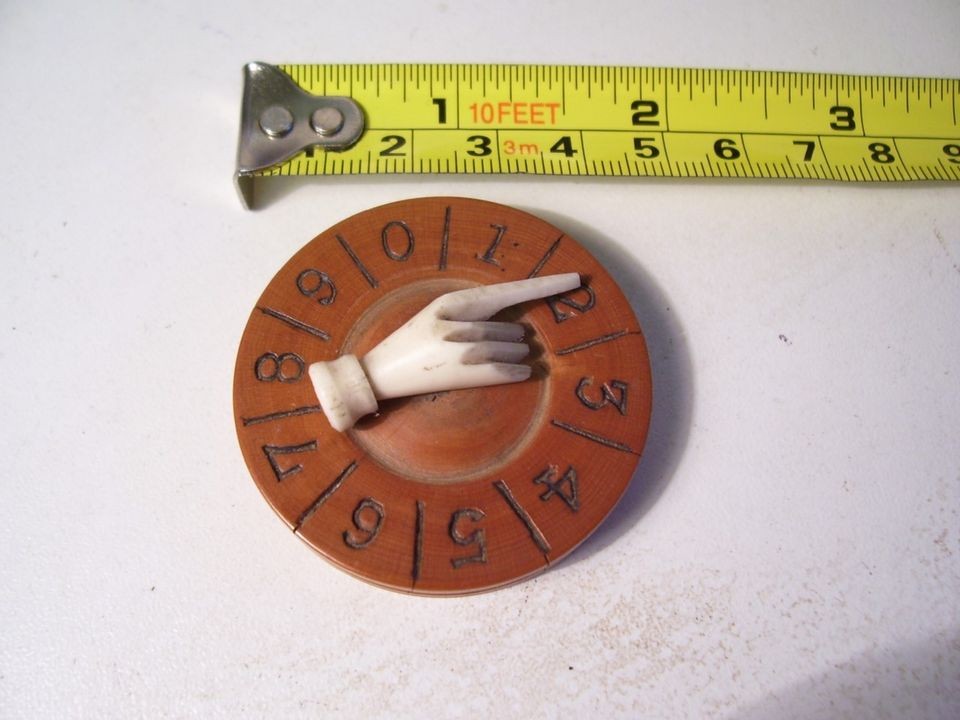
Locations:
(343, 390)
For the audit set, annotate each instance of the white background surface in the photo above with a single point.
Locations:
(789, 548)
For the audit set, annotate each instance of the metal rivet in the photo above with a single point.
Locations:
(276, 121)
(326, 120)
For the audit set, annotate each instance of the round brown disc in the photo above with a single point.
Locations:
(452, 492)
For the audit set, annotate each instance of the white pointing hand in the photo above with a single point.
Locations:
(446, 346)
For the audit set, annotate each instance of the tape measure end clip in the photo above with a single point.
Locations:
(278, 119)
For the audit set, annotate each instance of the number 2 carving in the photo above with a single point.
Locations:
(559, 314)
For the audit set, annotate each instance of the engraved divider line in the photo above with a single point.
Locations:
(546, 257)
(293, 322)
(371, 280)
(418, 541)
(325, 495)
(587, 434)
(594, 341)
(445, 239)
(538, 539)
(282, 415)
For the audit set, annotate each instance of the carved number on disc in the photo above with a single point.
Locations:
(311, 281)
(367, 519)
(286, 367)
(388, 248)
(490, 255)
(612, 393)
(477, 537)
(566, 488)
(559, 314)
(271, 451)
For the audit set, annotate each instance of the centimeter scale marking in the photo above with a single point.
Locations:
(621, 121)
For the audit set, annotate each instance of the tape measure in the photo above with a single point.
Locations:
(596, 121)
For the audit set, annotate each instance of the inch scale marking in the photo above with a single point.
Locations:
(629, 121)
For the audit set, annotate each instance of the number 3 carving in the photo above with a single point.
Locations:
(608, 395)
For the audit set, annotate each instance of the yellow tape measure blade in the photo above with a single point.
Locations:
(627, 121)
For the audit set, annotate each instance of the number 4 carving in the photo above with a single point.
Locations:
(566, 487)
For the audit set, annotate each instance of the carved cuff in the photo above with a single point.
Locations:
(343, 390)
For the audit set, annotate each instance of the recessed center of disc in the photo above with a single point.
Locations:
(451, 436)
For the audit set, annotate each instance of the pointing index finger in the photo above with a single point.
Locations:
(481, 303)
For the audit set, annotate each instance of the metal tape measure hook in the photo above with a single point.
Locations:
(278, 119)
